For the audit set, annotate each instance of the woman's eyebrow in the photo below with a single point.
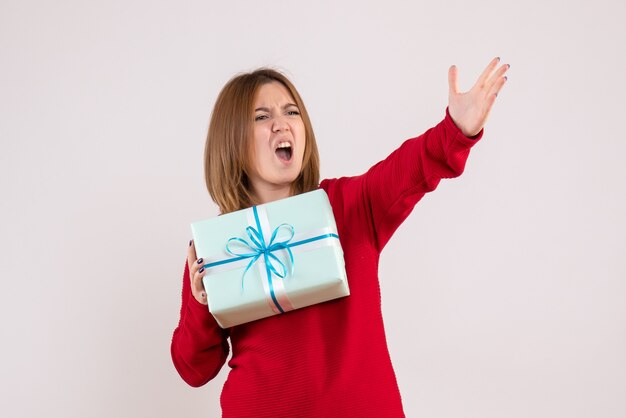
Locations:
(266, 109)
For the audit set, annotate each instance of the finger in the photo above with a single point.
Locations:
(496, 87)
(197, 286)
(496, 77)
(196, 273)
(453, 81)
(191, 257)
(203, 300)
(491, 98)
(495, 90)
(194, 265)
(487, 72)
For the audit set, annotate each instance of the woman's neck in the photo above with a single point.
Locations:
(270, 194)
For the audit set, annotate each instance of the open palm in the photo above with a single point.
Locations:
(470, 110)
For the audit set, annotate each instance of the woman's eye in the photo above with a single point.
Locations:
(260, 117)
(293, 112)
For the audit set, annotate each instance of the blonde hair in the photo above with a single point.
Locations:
(228, 147)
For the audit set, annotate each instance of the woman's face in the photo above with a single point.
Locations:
(277, 143)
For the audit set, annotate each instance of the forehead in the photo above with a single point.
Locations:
(273, 93)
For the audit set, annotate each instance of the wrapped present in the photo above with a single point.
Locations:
(271, 258)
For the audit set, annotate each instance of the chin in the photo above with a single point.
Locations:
(288, 181)
(284, 181)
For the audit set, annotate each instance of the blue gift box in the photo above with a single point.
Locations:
(271, 258)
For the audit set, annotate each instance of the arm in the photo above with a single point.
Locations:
(387, 193)
(392, 187)
(199, 346)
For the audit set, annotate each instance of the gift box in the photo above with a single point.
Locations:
(271, 258)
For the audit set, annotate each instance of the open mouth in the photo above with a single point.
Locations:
(283, 152)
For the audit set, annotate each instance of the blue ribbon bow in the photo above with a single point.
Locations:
(258, 248)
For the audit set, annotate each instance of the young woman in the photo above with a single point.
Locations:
(330, 359)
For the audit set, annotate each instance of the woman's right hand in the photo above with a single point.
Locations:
(196, 272)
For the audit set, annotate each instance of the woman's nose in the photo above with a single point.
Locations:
(280, 124)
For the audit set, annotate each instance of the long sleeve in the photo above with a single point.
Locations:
(199, 346)
(390, 189)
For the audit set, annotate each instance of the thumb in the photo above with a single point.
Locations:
(453, 80)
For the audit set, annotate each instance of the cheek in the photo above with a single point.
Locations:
(302, 133)
(303, 140)
(260, 141)
(255, 155)
(258, 134)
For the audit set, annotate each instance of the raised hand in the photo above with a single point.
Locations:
(470, 110)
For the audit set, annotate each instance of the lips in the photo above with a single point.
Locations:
(284, 150)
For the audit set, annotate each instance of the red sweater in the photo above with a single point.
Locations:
(331, 359)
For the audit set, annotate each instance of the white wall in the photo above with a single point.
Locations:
(503, 293)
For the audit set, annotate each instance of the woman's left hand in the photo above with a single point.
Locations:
(470, 110)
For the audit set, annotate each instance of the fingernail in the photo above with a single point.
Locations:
(190, 241)
(505, 78)
(202, 295)
(200, 261)
(498, 58)
(509, 66)
(201, 270)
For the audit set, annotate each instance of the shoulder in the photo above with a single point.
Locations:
(341, 189)
(346, 195)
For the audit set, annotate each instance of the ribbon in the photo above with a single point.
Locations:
(259, 249)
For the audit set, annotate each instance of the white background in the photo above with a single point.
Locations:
(503, 293)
